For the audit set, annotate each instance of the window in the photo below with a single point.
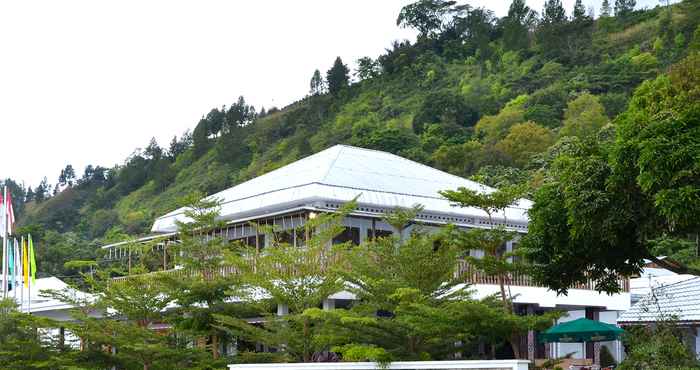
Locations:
(350, 234)
(251, 241)
(378, 233)
(295, 237)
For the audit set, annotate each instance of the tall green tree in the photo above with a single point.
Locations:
(605, 10)
(426, 16)
(579, 12)
(21, 344)
(496, 260)
(316, 84)
(583, 116)
(605, 204)
(337, 77)
(517, 24)
(293, 278)
(624, 7)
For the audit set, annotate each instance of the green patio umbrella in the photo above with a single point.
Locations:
(581, 330)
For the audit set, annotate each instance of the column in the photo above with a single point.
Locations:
(530, 338)
(596, 353)
(328, 304)
(282, 309)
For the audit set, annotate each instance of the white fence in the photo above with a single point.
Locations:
(409, 365)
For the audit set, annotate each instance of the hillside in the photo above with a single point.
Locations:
(475, 95)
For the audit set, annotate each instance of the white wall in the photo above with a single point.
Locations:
(577, 348)
(615, 347)
(547, 298)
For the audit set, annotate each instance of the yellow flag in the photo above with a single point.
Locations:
(25, 263)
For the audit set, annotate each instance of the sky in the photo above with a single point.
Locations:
(87, 82)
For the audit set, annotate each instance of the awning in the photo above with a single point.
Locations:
(581, 330)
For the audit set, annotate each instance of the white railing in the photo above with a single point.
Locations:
(408, 365)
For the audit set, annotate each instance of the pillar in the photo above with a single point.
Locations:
(328, 304)
(531, 338)
(596, 353)
(61, 338)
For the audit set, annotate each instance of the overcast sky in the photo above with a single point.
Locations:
(87, 82)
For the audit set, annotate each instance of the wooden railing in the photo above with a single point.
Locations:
(474, 276)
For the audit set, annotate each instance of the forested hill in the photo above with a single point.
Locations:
(478, 96)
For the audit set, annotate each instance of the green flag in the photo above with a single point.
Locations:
(32, 261)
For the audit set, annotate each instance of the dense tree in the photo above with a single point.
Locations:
(624, 7)
(178, 147)
(316, 84)
(42, 190)
(579, 12)
(584, 116)
(296, 280)
(337, 77)
(517, 24)
(605, 10)
(607, 204)
(496, 260)
(367, 68)
(21, 344)
(426, 16)
(67, 176)
(200, 138)
(523, 141)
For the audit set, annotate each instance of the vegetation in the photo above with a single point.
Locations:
(474, 95)
(595, 119)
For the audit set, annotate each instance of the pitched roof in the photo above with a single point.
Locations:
(679, 301)
(340, 174)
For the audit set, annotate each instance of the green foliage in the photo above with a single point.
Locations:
(606, 202)
(21, 345)
(584, 116)
(523, 141)
(337, 77)
(657, 348)
(445, 100)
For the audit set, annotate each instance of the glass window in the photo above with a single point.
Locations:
(377, 233)
(350, 234)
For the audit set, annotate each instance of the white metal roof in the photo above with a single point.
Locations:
(40, 302)
(339, 174)
(679, 301)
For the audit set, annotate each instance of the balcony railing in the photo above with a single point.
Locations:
(474, 276)
(464, 270)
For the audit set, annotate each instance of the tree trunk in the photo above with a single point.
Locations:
(515, 345)
(215, 346)
(307, 354)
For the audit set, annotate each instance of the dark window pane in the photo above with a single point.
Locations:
(350, 234)
(378, 233)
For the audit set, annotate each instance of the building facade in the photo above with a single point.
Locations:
(381, 182)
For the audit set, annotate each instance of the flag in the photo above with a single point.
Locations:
(10, 213)
(11, 265)
(18, 264)
(7, 221)
(31, 259)
(25, 265)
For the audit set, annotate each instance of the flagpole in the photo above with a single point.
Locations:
(4, 243)
(30, 254)
(21, 274)
(22, 278)
(14, 269)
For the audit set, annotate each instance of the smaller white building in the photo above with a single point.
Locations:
(678, 302)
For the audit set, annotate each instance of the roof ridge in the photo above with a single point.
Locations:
(330, 166)
(419, 164)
